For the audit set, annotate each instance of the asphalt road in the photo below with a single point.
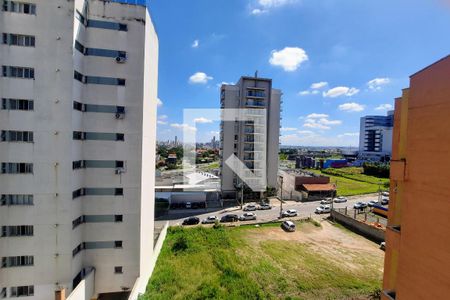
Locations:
(304, 209)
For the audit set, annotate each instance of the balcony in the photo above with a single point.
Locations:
(250, 103)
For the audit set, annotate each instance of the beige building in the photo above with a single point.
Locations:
(254, 141)
(78, 93)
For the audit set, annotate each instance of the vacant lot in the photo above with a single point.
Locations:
(318, 261)
(351, 181)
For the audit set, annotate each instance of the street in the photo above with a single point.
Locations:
(304, 209)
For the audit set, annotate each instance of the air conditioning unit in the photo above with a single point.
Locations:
(120, 115)
(120, 171)
(121, 59)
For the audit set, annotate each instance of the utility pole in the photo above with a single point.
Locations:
(281, 197)
(379, 191)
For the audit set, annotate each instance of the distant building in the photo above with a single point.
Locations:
(417, 260)
(245, 139)
(375, 137)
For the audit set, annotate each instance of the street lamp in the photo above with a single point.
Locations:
(281, 196)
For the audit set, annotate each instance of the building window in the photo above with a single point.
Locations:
(78, 221)
(17, 104)
(17, 261)
(99, 52)
(99, 136)
(16, 200)
(16, 136)
(18, 72)
(17, 168)
(78, 249)
(3, 293)
(19, 7)
(118, 244)
(19, 230)
(97, 192)
(118, 270)
(118, 218)
(107, 25)
(18, 40)
(113, 109)
(79, 164)
(78, 193)
(21, 291)
(98, 79)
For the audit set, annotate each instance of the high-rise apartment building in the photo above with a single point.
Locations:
(254, 140)
(417, 260)
(375, 137)
(78, 89)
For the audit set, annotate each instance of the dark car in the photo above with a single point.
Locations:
(191, 221)
(229, 218)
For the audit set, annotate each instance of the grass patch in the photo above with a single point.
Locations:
(350, 182)
(224, 263)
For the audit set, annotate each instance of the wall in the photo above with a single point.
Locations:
(368, 231)
(85, 289)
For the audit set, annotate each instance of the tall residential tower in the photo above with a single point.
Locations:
(78, 93)
(255, 140)
(375, 137)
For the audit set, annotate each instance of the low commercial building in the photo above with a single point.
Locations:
(305, 186)
(417, 260)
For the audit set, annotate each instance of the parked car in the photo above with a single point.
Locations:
(289, 213)
(264, 206)
(288, 226)
(250, 207)
(371, 203)
(188, 205)
(326, 201)
(384, 201)
(383, 246)
(385, 194)
(323, 209)
(247, 217)
(229, 218)
(360, 205)
(210, 220)
(340, 199)
(191, 221)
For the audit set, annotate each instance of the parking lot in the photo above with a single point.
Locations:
(304, 209)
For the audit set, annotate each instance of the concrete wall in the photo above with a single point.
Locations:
(368, 231)
(85, 288)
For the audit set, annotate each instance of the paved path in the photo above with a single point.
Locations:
(304, 209)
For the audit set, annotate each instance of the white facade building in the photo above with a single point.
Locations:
(255, 143)
(78, 93)
(375, 137)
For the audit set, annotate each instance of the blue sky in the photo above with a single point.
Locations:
(358, 54)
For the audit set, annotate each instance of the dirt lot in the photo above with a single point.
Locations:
(345, 247)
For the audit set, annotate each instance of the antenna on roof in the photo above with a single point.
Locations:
(256, 74)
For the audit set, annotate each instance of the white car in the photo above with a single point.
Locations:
(326, 201)
(371, 203)
(288, 226)
(250, 207)
(323, 209)
(386, 194)
(289, 213)
(340, 199)
(264, 207)
(210, 220)
(247, 217)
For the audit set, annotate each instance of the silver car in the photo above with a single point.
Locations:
(210, 220)
(288, 226)
(247, 217)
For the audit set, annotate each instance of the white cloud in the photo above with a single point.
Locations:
(258, 11)
(202, 120)
(274, 3)
(375, 84)
(161, 122)
(159, 103)
(304, 93)
(183, 126)
(305, 132)
(319, 85)
(316, 126)
(224, 83)
(325, 121)
(320, 121)
(351, 107)
(384, 107)
(195, 44)
(215, 132)
(348, 134)
(340, 91)
(199, 78)
(315, 139)
(288, 129)
(289, 58)
(316, 116)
